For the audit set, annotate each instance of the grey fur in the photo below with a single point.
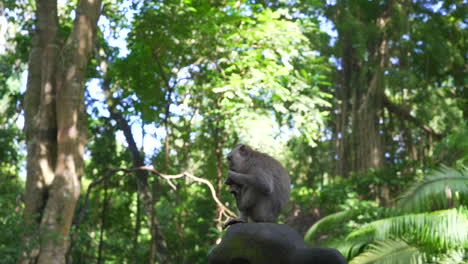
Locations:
(259, 183)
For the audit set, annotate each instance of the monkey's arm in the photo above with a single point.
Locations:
(259, 180)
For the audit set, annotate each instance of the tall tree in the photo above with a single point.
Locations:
(390, 66)
(363, 47)
(54, 126)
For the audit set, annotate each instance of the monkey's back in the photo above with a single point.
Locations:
(279, 197)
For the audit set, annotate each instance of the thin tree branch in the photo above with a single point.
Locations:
(167, 113)
(168, 177)
(225, 211)
(403, 113)
(148, 198)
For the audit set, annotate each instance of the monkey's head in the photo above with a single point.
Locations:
(238, 158)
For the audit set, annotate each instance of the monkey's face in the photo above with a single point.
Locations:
(237, 158)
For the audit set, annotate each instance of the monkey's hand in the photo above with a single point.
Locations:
(229, 181)
(231, 178)
(233, 221)
(236, 190)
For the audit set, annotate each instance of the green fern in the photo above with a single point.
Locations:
(327, 222)
(409, 238)
(391, 252)
(441, 230)
(444, 188)
(349, 248)
(335, 220)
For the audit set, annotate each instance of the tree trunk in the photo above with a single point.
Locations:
(159, 247)
(105, 205)
(359, 144)
(40, 120)
(55, 131)
(218, 142)
(137, 231)
(146, 194)
(343, 95)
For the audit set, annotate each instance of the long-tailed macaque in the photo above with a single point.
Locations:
(259, 183)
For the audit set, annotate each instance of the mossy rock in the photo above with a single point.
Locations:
(269, 243)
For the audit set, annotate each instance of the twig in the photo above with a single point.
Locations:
(224, 210)
(405, 114)
(195, 178)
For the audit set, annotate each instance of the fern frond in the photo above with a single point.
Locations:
(328, 222)
(334, 221)
(442, 230)
(389, 252)
(444, 188)
(348, 248)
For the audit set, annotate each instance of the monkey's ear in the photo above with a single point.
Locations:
(243, 149)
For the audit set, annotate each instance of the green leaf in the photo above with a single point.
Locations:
(389, 252)
(440, 230)
(443, 188)
(327, 222)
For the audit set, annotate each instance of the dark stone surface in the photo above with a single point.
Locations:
(317, 255)
(269, 243)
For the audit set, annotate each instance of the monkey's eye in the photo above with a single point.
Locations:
(229, 158)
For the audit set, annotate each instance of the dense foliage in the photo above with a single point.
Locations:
(364, 102)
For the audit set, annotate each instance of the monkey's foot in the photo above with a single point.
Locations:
(233, 222)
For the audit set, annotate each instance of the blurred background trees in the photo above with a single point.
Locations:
(365, 103)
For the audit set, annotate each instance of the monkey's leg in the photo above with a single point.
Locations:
(242, 219)
(263, 211)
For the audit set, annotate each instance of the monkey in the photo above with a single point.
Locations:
(259, 183)
(236, 190)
